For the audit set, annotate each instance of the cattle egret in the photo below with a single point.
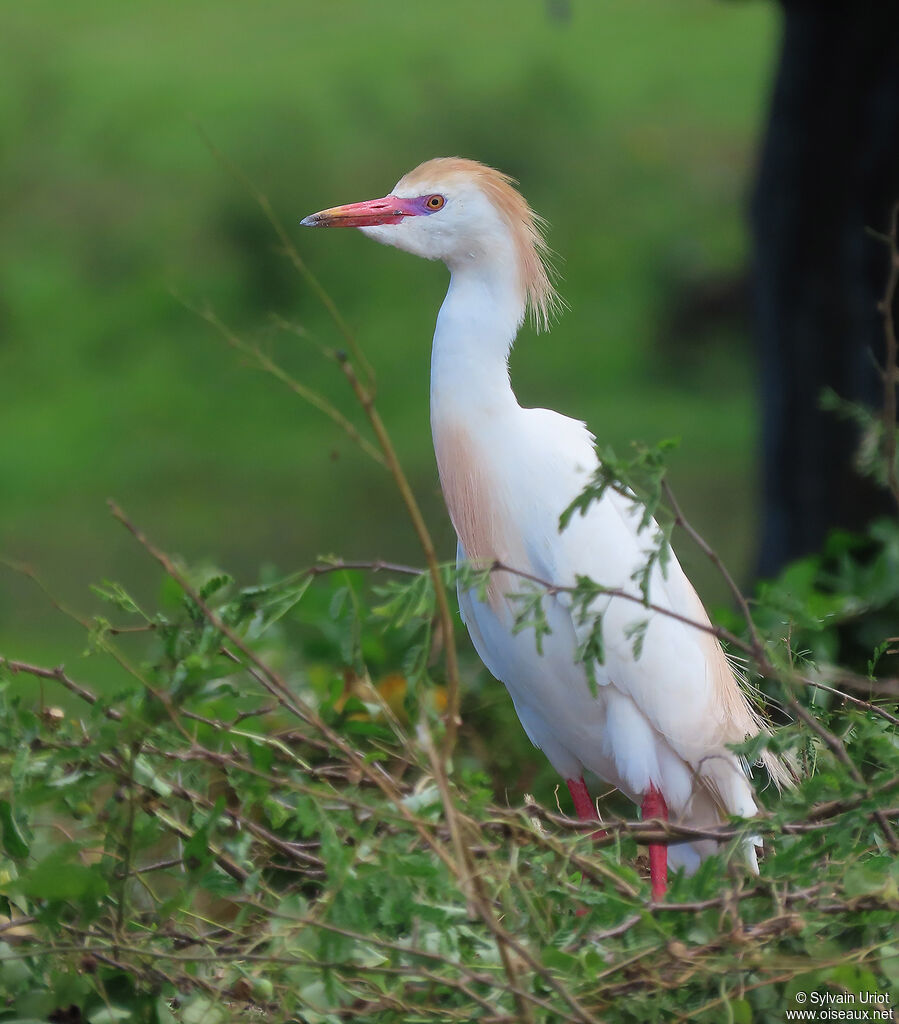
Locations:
(657, 725)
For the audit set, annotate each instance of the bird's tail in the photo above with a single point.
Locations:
(722, 781)
(781, 768)
(722, 789)
(745, 720)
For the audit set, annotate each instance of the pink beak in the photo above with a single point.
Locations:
(389, 210)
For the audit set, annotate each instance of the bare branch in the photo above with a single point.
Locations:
(58, 674)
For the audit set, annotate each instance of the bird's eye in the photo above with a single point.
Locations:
(435, 202)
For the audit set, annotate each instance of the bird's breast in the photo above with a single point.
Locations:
(480, 504)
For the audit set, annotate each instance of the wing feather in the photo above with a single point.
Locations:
(680, 679)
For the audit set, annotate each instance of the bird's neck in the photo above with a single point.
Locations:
(473, 407)
(477, 324)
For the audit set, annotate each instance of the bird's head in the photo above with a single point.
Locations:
(461, 212)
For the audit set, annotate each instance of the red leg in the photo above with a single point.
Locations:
(584, 807)
(654, 806)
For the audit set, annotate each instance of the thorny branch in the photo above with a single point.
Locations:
(814, 818)
(663, 962)
(291, 701)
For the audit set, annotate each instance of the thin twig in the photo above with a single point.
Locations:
(366, 400)
(266, 363)
(110, 649)
(469, 882)
(291, 252)
(839, 750)
(757, 646)
(59, 675)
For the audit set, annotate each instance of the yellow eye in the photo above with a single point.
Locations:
(435, 202)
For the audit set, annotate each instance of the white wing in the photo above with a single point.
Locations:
(664, 717)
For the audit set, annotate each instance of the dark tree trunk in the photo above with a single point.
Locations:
(829, 169)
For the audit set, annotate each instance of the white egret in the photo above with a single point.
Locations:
(657, 726)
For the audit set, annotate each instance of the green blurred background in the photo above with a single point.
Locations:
(631, 124)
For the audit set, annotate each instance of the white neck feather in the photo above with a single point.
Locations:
(477, 324)
(473, 407)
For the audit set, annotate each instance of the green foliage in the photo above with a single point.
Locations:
(261, 828)
(837, 609)
(639, 480)
(869, 453)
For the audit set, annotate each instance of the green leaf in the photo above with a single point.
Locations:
(636, 633)
(741, 1011)
(201, 1010)
(555, 958)
(197, 855)
(15, 973)
(163, 1014)
(407, 602)
(889, 963)
(530, 614)
(267, 605)
(214, 584)
(116, 595)
(110, 1015)
(145, 773)
(14, 843)
(61, 876)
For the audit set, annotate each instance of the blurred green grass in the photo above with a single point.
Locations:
(631, 127)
